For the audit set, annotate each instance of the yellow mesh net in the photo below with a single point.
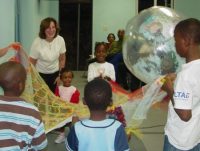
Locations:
(55, 112)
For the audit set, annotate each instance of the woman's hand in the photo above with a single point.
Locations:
(15, 45)
(58, 81)
(33, 61)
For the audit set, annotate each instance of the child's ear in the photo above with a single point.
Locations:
(187, 41)
(21, 86)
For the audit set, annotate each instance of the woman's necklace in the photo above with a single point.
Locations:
(49, 42)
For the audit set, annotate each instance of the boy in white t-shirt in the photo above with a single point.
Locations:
(182, 130)
(101, 68)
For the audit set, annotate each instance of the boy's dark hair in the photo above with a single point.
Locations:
(98, 94)
(45, 24)
(11, 73)
(189, 28)
(63, 70)
(97, 44)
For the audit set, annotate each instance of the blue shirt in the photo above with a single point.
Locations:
(106, 135)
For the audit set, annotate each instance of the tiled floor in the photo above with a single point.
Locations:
(152, 128)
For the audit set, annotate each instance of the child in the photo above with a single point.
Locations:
(182, 128)
(21, 124)
(101, 68)
(68, 93)
(97, 133)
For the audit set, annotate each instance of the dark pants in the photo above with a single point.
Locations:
(50, 79)
(116, 60)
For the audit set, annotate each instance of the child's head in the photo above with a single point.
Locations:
(66, 77)
(100, 52)
(98, 95)
(12, 78)
(186, 34)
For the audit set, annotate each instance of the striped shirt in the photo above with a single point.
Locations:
(21, 126)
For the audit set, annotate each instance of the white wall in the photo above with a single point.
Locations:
(31, 14)
(109, 16)
(190, 8)
(7, 25)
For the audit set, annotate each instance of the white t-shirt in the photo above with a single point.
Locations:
(95, 69)
(185, 135)
(47, 54)
(66, 92)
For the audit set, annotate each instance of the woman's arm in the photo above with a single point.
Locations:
(14, 45)
(33, 61)
(3, 51)
(62, 60)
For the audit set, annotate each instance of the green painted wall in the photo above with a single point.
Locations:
(109, 16)
(190, 8)
(31, 14)
(7, 25)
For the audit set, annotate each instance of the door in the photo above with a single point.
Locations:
(76, 29)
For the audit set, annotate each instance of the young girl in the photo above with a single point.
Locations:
(68, 93)
(101, 68)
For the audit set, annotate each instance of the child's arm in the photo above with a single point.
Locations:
(57, 91)
(90, 75)
(75, 97)
(111, 75)
(107, 78)
(168, 85)
(72, 140)
(39, 139)
(121, 140)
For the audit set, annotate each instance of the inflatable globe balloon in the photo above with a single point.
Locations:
(148, 47)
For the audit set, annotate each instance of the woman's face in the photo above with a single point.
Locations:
(50, 31)
(111, 38)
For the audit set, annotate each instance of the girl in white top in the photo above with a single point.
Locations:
(47, 52)
(101, 68)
